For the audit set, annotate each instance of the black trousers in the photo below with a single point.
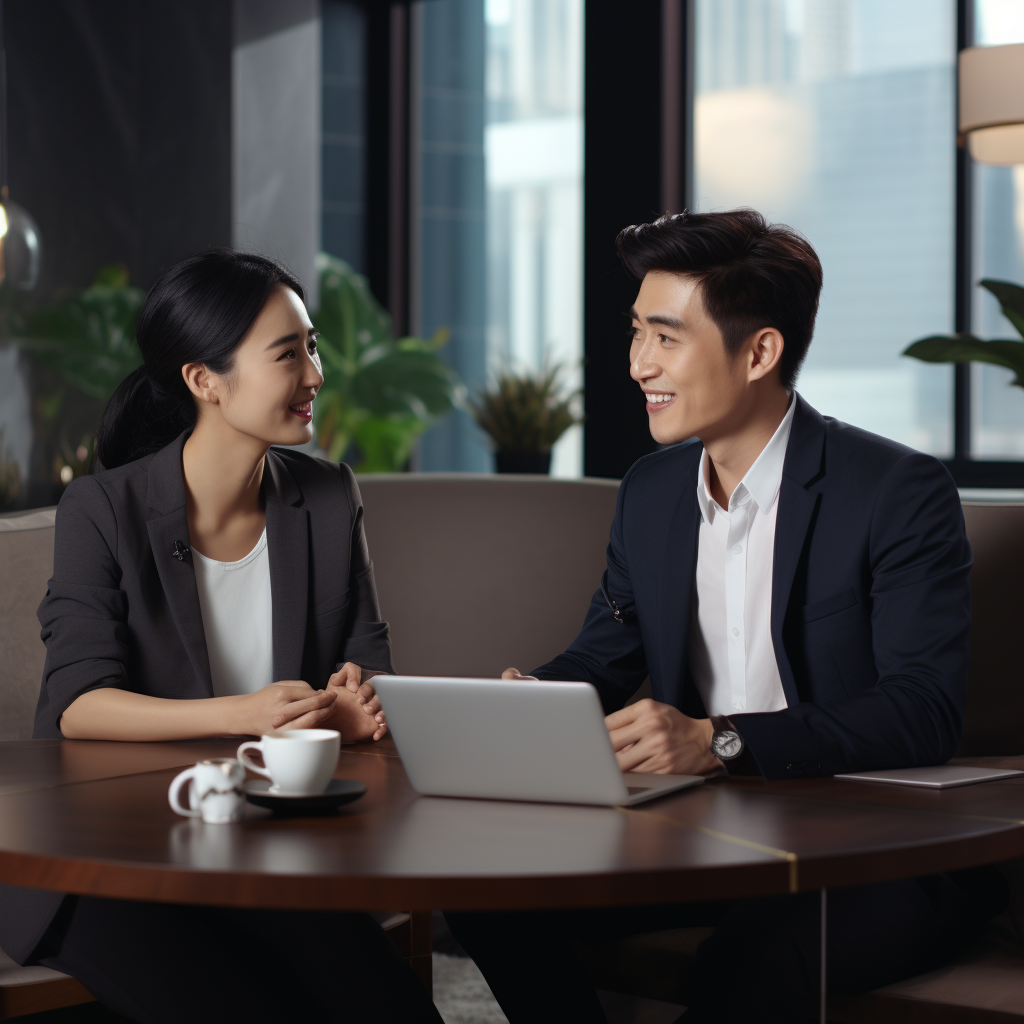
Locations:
(762, 962)
(159, 963)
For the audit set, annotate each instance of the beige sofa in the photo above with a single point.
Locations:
(479, 572)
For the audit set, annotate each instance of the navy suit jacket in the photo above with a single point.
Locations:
(871, 607)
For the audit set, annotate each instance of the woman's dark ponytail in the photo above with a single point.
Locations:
(199, 311)
(140, 418)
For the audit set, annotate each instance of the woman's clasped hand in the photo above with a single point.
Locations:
(347, 704)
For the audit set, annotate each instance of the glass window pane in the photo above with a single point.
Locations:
(343, 141)
(997, 407)
(836, 117)
(498, 178)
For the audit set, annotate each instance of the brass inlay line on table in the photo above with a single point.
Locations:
(951, 813)
(725, 837)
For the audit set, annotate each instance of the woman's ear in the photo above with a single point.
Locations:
(201, 382)
(765, 352)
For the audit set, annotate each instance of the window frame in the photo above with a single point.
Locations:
(652, 103)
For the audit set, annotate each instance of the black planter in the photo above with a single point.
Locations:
(523, 462)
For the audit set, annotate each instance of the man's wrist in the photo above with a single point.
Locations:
(728, 737)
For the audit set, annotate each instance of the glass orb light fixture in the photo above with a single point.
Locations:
(20, 251)
(992, 103)
(20, 248)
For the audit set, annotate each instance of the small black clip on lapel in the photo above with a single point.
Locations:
(180, 551)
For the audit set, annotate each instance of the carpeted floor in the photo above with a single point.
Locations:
(461, 994)
(462, 997)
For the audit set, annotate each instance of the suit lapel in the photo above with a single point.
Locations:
(166, 495)
(178, 578)
(798, 503)
(679, 567)
(288, 551)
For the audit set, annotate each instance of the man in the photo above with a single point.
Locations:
(796, 589)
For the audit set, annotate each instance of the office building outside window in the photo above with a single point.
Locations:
(497, 200)
(837, 118)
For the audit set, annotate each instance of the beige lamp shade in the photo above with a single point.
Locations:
(992, 102)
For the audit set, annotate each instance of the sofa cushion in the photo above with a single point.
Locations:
(982, 986)
(26, 563)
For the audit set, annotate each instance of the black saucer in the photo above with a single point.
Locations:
(338, 792)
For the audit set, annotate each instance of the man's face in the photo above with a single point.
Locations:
(694, 387)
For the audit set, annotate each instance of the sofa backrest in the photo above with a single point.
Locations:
(994, 722)
(479, 572)
(476, 573)
(26, 563)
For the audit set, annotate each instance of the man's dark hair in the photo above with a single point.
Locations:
(752, 274)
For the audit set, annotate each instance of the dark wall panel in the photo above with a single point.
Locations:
(622, 186)
(120, 130)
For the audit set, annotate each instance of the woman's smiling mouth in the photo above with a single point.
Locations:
(304, 410)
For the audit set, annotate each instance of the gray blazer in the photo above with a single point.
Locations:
(122, 609)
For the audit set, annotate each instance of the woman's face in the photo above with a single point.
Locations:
(269, 393)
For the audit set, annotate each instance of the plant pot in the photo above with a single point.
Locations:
(523, 462)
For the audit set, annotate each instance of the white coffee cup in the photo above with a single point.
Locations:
(215, 791)
(298, 762)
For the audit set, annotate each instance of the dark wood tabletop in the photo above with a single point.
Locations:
(91, 817)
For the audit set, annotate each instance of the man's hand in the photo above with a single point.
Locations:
(288, 704)
(658, 739)
(514, 673)
(355, 697)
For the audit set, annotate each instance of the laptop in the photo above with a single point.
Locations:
(511, 740)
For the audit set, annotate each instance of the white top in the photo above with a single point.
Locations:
(237, 620)
(730, 650)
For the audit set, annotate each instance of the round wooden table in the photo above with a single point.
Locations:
(92, 817)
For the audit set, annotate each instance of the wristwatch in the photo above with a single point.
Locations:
(726, 743)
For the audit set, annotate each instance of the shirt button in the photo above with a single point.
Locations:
(736, 549)
(735, 631)
(738, 705)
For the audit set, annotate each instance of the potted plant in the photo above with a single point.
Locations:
(380, 393)
(81, 345)
(524, 415)
(966, 348)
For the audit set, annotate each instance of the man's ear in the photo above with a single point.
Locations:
(201, 382)
(765, 352)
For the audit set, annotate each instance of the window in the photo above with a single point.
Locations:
(497, 180)
(997, 408)
(837, 118)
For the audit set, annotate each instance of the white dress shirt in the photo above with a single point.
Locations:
(237, 620)
(730, 647)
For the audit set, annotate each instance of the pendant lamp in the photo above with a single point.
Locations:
(20, 249)
(992, 103)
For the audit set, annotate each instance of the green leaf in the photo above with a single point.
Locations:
(965, 348)
(371, 381)
(404, 383)
(386, 444)
(1011, 300)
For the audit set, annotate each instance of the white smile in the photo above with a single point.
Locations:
(658, 397)
(303, 409)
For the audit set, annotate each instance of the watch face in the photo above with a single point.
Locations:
(727, 745)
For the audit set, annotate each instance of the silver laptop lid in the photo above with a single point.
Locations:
(522, 740)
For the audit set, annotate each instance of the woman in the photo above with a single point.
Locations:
(208, 584)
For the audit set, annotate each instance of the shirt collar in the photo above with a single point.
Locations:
(761, 482)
